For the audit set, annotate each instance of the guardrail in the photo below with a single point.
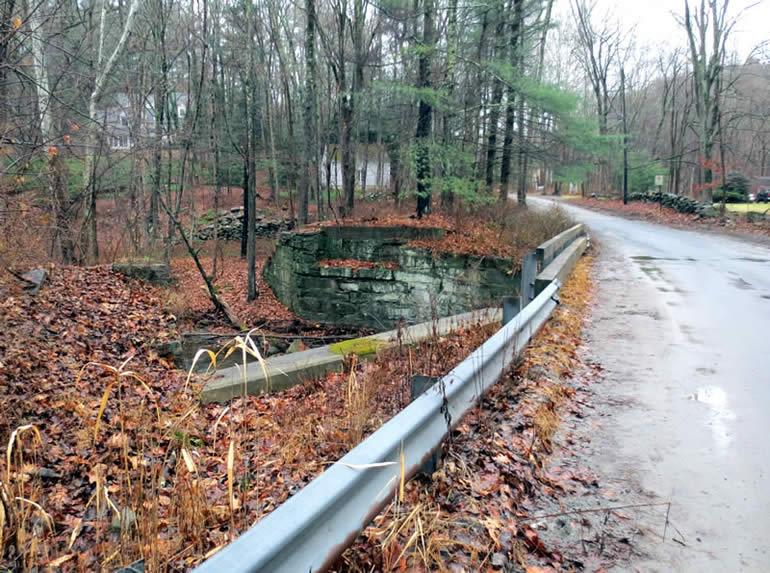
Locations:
(310, 530)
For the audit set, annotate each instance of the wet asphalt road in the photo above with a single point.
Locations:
(681, 327)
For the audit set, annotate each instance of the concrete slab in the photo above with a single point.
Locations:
(549, 250)
(288, 370)
(561, 265)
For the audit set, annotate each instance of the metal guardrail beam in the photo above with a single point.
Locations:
(310, 530)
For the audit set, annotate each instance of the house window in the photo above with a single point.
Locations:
(123, 121)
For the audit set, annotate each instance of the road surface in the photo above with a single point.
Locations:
(681, 327)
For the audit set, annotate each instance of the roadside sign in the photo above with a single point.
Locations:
(659, 181)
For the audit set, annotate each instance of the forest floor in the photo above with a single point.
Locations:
(126, 436)
(110, 456)
(733, 223)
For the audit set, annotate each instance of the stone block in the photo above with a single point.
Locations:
(377, 273)
(34, 280)
(342, 272)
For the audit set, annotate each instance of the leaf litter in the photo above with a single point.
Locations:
(732, 222)
(118, 461)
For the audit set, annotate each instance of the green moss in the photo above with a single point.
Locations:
(359, 346)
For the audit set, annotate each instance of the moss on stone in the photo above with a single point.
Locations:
(359, 346)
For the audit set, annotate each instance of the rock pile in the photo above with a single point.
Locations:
(231, 226)
(677, 202)
(758, 218)
(154, 272)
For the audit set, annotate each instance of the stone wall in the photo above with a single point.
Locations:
(677, 202)
(231, 225)
(418, 285)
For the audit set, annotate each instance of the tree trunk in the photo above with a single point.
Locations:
(251, 191)
(6, 16)
(625, 134)
(89, 219)
(246, 185)
(497, 97)
(425, 115)
(510, 110)
(215, 147)
(505, 164)
(473, 97)
(272, 171)
(518, 64)
(447, 195)
(310, 166)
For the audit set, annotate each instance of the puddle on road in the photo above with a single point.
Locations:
(742, 284)
(716, 399)
(653, 272)
(647, 266)
(642, 258)
(639, 258)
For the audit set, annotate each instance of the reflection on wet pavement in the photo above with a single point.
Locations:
(716, 399)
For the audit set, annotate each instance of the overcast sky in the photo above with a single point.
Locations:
(656, 25)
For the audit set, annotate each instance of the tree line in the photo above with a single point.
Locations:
(458, 101)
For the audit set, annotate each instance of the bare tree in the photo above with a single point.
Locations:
(104, 69)
(597, 50)
(708, 29)
(310, 162)
(425, 117)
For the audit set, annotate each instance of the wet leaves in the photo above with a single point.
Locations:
(356, 264)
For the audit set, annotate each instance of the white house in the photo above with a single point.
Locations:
(117, 120)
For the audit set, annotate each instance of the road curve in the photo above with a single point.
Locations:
(681, 326)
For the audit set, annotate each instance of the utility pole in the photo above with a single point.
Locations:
(625, 135)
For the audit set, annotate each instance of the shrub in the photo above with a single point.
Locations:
(732, 197)
(737, 183)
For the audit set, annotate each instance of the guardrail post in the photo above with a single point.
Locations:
(528, 274)
(511, 307)
(420, 384)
